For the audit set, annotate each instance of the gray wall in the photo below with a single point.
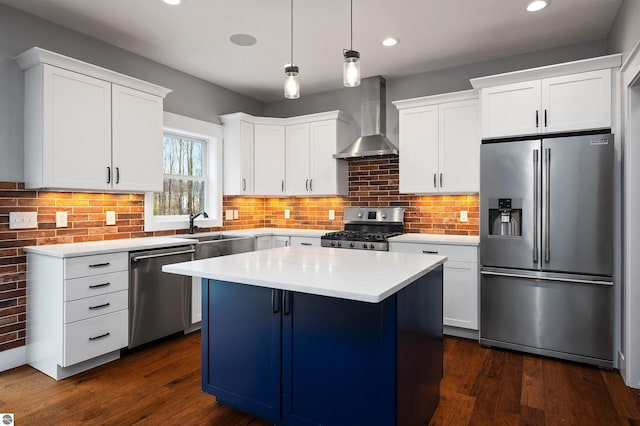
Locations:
(431, 83)
(20, 31)
(625, 31)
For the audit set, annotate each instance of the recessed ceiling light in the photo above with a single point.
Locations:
(243, 39)
(172, 2)
(537, 5)
(390, 41)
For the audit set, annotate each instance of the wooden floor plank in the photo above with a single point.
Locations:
(160, 385)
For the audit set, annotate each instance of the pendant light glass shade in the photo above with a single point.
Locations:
(351, 69)
(291, 82)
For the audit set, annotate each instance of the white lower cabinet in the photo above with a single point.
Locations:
(77, 311)
(460, 292)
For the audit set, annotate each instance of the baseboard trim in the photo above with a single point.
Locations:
(13, 358)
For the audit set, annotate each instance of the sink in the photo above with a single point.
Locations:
(220, 245)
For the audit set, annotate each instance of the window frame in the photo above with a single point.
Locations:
(212, 134)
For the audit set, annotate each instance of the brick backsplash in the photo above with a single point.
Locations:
(372, 182)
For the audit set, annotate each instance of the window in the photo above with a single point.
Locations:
(192, 176)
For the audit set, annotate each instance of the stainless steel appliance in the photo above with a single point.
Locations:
(367, 228)
(159, 303)
(547, 246)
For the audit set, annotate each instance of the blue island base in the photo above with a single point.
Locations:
(300, 359)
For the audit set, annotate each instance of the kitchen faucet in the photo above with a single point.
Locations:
(192, 217)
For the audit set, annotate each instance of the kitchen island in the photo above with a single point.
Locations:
(322, 336)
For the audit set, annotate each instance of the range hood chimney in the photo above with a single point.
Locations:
(373, 109)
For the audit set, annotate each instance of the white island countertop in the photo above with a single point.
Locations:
(366, 276)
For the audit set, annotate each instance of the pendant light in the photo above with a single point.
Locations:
(291, 82)
(351, 65)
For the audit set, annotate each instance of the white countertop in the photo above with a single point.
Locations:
(110, 246)
(367, 276)
(466, 240)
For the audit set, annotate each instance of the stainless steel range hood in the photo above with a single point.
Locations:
(373, 109)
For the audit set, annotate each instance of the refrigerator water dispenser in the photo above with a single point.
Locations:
(504, 219)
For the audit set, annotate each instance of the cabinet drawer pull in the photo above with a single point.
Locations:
(275, 301)
(306, 244)
(282, 185)
(311, 185)
(99, 265)
(117, 175)
(99, 285)
(306, 184)
(108, 174)
(104, 305)
(537, 119)
(545, 118)
(286, 302)
(100, 336)
(430, 251)
(435, 181)
(440, 180)
(244, 184)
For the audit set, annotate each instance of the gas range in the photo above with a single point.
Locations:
(367, 228)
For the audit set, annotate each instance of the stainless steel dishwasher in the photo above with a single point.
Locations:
(159, 303)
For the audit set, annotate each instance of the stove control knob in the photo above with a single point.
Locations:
(384, 215)
(339, 244)
(371, 247)
(364, 245)
(351, 245)
(359, 214)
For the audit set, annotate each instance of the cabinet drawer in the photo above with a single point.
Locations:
(97, 336)
(79, 288)
(85, 266)
(453, 252)
(90, 307)
(305, 241)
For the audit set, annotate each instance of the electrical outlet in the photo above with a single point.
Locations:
(235, 214)
(464, 216)
(111, 218)
(61, 220)
(23, 220)
(228, 214)
(287, 213)
(332, 214)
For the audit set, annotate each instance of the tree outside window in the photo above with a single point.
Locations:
(184, 177)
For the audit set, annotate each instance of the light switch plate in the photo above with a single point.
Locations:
(287, 213)
(235, 214)
(23, 220)
(464, 216)
(228, 215)
(111, 218)
(332, 214)
(61, 220)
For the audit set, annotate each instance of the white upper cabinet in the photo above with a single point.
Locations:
(238, 154)
(310, 166)
(269, 159)
(88, 128)
(298, 141)
(512, 109)
(137, 132)
(439, 144)
(567, 97)
(285, 156)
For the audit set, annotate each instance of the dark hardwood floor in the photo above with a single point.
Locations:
(161, 385)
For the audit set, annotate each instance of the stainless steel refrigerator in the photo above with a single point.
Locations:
(546, 248)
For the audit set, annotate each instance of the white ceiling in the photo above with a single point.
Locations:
(434, 34)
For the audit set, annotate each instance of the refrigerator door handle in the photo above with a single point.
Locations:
(544, 278)
(535, 205)
(547, 199)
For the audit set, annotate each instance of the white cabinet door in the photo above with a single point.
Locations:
(75, 150)
(269, 159)
(577, 102)
(137, 140)
(263, 243)
(459, 148)
(511, 109)
(460, 294)
(280, 241)
(419, 148)
(238, 157)
(297, 159)
(324, 168)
